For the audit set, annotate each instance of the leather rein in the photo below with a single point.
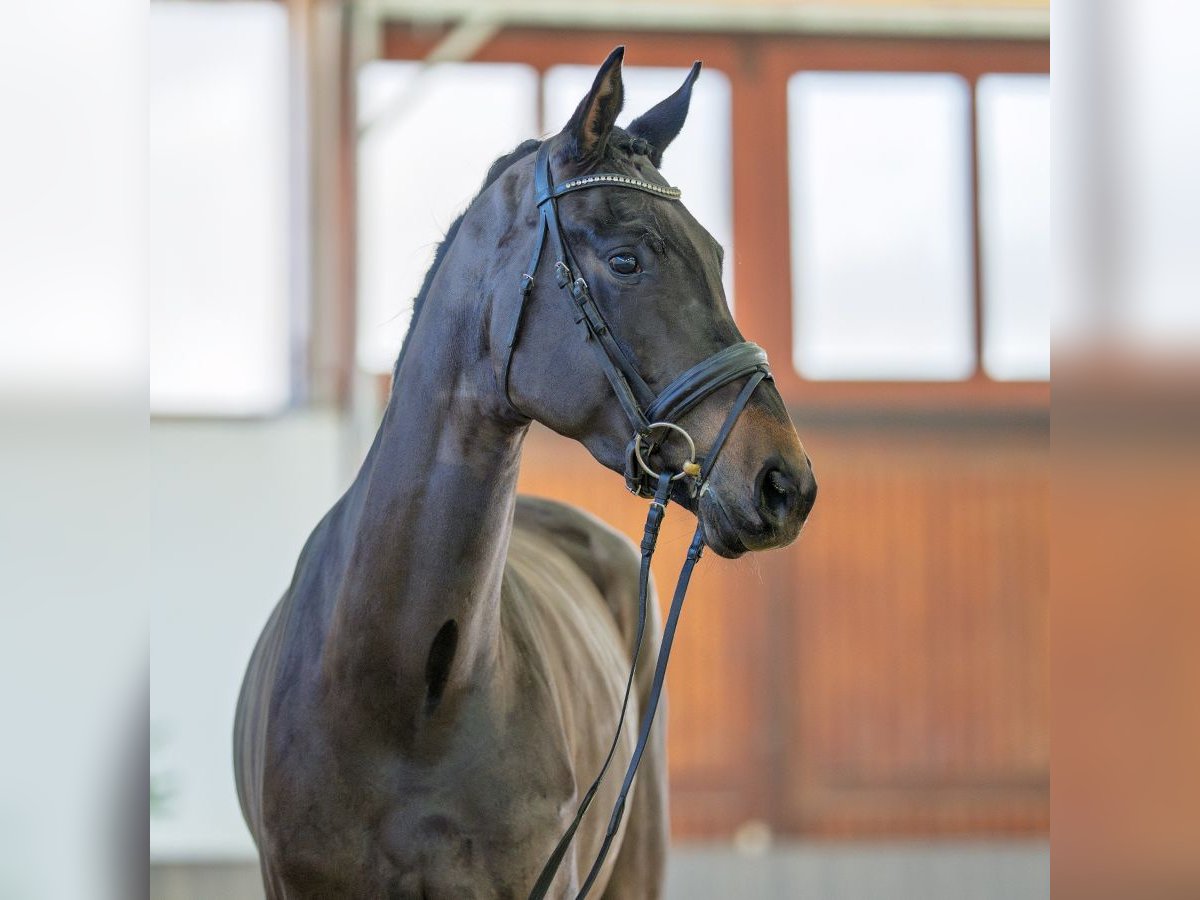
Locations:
(653, 417)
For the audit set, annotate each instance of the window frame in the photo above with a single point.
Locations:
(758, 67)
(819, 294)
(294, 243)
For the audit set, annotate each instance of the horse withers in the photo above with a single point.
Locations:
(442, 679)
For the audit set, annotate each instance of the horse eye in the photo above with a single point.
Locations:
(625, 265)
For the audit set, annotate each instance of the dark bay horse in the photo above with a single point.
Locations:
(444, 674)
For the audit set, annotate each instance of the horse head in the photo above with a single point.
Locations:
(653, 274)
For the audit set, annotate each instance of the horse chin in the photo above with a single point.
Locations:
(727, 547)
(720, 534)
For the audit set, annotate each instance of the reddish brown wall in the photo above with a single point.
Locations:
(885, 675)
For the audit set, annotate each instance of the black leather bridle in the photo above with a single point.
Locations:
(653, 418)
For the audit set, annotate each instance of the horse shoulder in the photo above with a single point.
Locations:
(612, 562)
(608, 558)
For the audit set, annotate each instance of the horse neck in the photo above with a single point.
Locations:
(429, 516)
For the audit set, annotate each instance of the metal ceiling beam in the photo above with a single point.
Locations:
(464, 39)
(916, 20)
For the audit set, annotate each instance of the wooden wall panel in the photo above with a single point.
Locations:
(918, 624)
(887, 674)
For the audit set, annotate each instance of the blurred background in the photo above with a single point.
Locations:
(862, 715)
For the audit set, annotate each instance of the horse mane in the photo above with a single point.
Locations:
(618, 140)
(497, 169)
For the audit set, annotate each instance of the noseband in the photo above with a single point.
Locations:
(653, 419)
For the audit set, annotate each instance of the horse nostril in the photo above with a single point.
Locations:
(776, 495)
(783, 494)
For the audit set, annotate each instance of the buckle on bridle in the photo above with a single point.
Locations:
(562, 274)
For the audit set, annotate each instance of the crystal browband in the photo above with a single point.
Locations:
(586, 181)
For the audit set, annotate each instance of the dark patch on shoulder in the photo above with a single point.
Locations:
(438, 664)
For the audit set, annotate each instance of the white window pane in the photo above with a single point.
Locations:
(219, 286)
(1014, 205)
(881, 226)
(698, 162)
(430, 138)
(1154, 182)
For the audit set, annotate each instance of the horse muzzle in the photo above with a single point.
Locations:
(773, 514)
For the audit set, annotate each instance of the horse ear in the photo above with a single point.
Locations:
(662, 124)
(589, 128)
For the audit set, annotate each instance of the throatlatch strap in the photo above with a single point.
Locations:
(654, 517)
(528, 278)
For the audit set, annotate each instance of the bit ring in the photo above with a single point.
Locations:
(689, 465)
